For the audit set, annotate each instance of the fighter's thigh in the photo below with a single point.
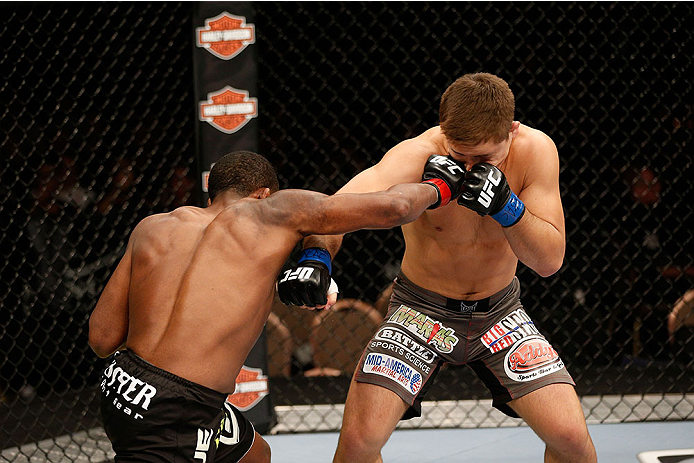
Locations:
(259, 452)
(238, 439)
(553, 412)
(372, 410)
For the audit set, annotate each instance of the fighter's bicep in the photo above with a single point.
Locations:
(541, 193)
(307, 213)
(294, 210)
(108, 323)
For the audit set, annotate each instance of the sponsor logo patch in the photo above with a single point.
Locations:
(464, 308)
(228, 109)
(515, 326)
(531, 359)
(129, 394)
(390, 367)
(400, 338)
(251, 387)
(442, 338)
(225, 35)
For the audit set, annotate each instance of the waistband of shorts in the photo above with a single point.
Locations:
(211, 394)
(455, 305)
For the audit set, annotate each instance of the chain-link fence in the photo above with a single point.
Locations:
(98, 131)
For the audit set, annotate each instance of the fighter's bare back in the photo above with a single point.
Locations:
(189, 313)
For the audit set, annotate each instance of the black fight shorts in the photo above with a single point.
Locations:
(493, 336)
(151, 415)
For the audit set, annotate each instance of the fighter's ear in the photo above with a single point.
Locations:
(261, 193)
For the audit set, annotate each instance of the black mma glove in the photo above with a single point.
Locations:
(486, 191)
(307, 283)
(446, 175)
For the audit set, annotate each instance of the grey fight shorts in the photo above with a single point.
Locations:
(152, 415)
(493, 336)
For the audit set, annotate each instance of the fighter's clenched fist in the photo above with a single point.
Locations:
(486, 191)
(444, 174)
(308, 283)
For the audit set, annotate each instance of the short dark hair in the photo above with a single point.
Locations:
(477, 108)
(242, 172)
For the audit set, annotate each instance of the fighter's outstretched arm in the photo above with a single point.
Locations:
(401, 164)
(314, 213)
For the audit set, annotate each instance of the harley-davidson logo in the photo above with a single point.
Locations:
(251, 387)
(229, 109)
(226, 35)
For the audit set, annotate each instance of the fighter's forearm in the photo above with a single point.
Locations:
(398, 205)
(537, 243)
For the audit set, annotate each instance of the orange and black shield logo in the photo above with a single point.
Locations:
(228, 109)
(225, 36)
(251, 387)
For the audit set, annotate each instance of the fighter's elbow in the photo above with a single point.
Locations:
(101, 342)
(399, 211)
(100, 349)
(549, 267)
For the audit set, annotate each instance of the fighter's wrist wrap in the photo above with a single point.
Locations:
(443, 191)
(511, 213)
(317, 254)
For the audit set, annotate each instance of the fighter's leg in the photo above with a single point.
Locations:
(238, 441)
(370, 416)
(259, 452)
(555, 414)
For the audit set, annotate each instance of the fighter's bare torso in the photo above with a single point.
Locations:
(452, 250)
(188, 314)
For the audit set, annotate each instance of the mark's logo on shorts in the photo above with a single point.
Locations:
(515, 326)
(389, 367)
(426, 328)
(531, 359)
(137, 393)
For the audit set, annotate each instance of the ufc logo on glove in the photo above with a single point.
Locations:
(487, 194)
(452, 167)
(300, 273)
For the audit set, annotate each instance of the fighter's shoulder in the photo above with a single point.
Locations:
(536, 159)
(423, 145)
(156, 222)
(535, 145)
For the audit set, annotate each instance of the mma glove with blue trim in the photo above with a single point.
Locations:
(308, 283)
(486, 191)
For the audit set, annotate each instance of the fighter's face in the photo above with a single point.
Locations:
(489, 152)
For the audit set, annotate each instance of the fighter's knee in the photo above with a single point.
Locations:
(358, 444)
(572, 441)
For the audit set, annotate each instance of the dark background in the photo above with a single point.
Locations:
(97, 130)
